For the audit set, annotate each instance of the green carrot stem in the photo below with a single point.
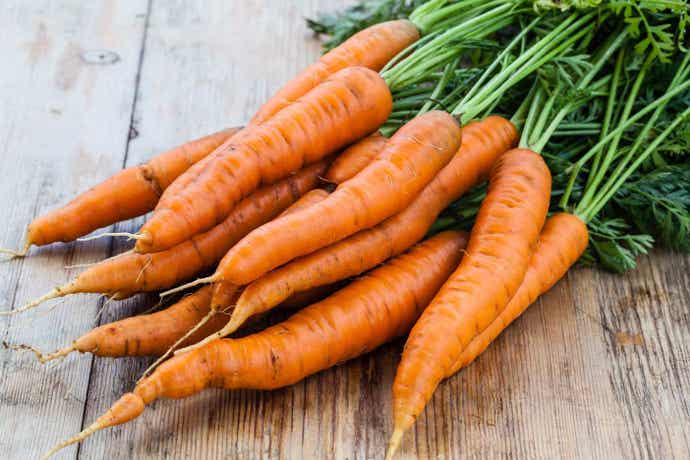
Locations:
(617, 180)
(601, 59)
(431, 15)
(610, 104)
(498, 60)
(535, 104)
(576, 167)
(607, 158)
(543, 116)
(519, 119)
(545, 52)
(412, 65)
(407, 51)
(442, 83)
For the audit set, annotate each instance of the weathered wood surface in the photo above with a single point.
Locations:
(598, 368)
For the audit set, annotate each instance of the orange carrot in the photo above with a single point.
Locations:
(306, 200)
(227, 293)
(153, 334)
(304, 298)
(132, 273)
(353, 321)
(355, 158)
(349, 105)
(372, 47)
(147, 335)
(498, 254)
(482, 143)
(562, 241)
(410, 160)
(130, 193)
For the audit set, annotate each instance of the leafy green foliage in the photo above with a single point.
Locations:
(658, 203)
(614, 247)
(571, 111)
(341, 25)
(659, 26)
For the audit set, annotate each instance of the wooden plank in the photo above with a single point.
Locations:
(550, 386)
(597, 368)
(66, 93)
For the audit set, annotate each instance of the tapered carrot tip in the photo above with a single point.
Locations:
(394, 443)
(208, 339)
(231, 326)
(42, 357)
(91, 264)
(207, 280)
(128, 407)
(174, 346)
(55, 293)
(130, 236)
(14, 254)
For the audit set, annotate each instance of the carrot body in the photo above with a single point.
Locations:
(130, 193)
(306, 200)
(153, 334)
(562, 241)
(355, 158)
(349, 105)
(482, 143)
(410, 160)
(498, 253)
(225, 293)
(372, 47)
(134, 273)
(353, 321)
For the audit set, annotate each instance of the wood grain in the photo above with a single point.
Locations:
(63, 126)
(597, 368)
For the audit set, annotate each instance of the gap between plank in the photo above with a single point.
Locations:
(128, 140)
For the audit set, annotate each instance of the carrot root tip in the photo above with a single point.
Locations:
(394, 443)
(96, 426)
(53, 294)
(217, 335)
(232, 325)
(13, 254)
(129, 236)
(128, 407)
(42, 357)
(197, 282)
(91, 264)
(59, 354)
(172, 348)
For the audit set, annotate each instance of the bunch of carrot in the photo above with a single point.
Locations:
(351, 170)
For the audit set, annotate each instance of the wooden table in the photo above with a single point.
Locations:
(598, 368)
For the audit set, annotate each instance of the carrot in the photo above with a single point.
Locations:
(349, 105)
(410, 160)
(353, 321)
(482, 143)
(306, 200)
(146, 335)
(301, 299)
(355, 158)
(130, 193)
(133, 273)
(227, 293)
(372, 47)
(498, 253)
(562, 241)
(153, 334)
